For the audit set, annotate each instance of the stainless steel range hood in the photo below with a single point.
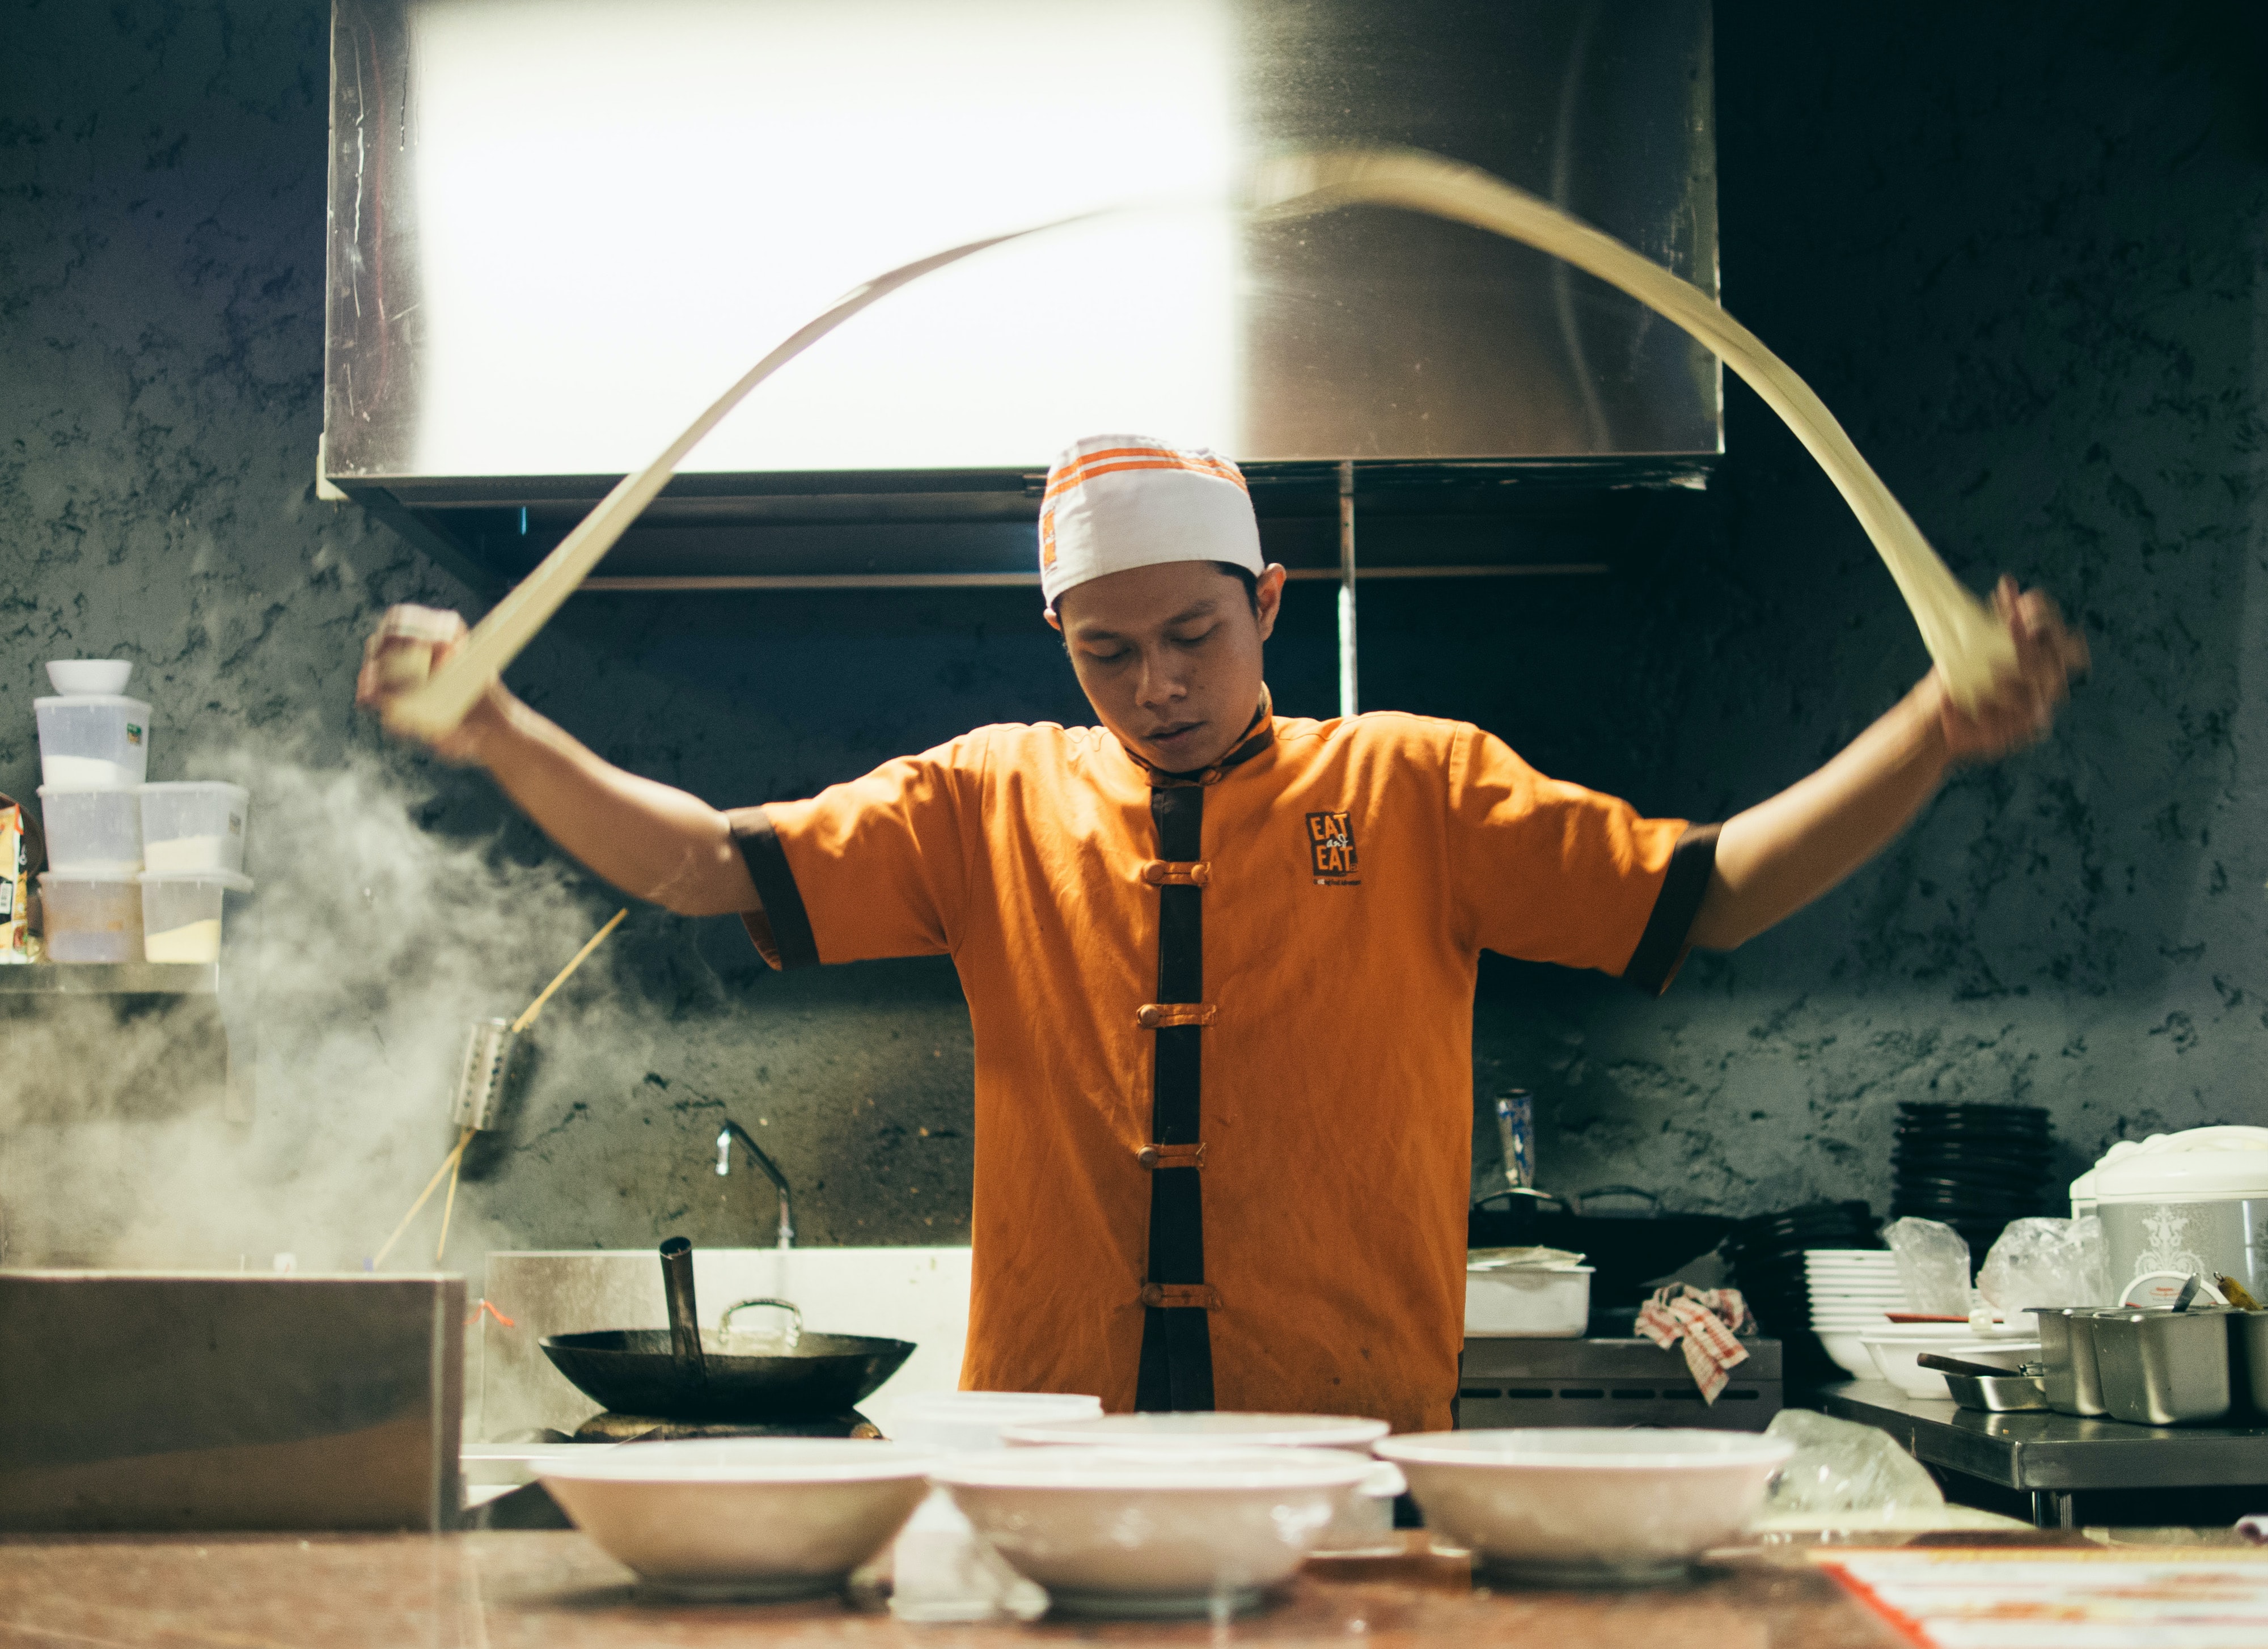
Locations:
(558, 226)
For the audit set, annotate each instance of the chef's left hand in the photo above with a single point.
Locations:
(2022, 704)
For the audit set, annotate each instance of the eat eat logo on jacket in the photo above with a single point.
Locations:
(1331, 844)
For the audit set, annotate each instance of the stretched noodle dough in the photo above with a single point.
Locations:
(1966, 641)
(1961, 635)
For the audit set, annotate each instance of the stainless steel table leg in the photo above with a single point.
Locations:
(2052, 1508)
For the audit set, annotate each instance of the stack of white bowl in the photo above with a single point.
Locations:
(136, 871)
(1852, 1292)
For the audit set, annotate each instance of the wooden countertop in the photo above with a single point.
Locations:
(522, 1590)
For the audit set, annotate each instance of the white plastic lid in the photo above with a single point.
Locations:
(2183, 1176)
(118, 699)
(233, 880)
(128, 875)
(86, 789)
(239, 791)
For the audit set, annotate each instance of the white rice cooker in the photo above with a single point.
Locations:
(2178, 1204)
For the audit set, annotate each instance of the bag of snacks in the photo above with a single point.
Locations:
(21, 850)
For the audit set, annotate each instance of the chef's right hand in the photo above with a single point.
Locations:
(410, 643)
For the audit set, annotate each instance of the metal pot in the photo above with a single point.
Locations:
(1628, 1249)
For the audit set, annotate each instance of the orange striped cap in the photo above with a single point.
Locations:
(1114, 502)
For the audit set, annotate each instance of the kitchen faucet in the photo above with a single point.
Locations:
(733, 1131)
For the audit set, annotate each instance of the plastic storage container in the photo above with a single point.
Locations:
(91, 917)
(92, 741)
(193, 826)
(180, 915)
(96, 830)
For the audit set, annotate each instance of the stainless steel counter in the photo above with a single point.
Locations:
(2053, 1456)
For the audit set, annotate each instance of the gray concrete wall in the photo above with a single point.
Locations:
(2021, 261)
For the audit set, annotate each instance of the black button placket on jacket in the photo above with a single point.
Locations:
(1177, 1366)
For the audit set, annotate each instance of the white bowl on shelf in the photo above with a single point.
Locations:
(90, 676)
(1849, 1352)
(1582, 1505)
(1153, 1534)
(758, 1518)
(1893, 1354)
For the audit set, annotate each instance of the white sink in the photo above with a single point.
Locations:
(917, 1294)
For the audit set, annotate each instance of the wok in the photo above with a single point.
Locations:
(733, 1376)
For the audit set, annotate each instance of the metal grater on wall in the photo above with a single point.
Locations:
(1518, 1382)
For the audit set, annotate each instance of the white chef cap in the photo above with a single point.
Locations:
(1119, 500)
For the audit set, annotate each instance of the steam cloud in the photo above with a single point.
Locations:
(349, 977)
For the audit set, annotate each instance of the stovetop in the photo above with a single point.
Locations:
(628, 1428)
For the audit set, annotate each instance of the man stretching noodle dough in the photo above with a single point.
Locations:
(1219, 964)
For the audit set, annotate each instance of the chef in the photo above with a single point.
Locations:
(1219, 964)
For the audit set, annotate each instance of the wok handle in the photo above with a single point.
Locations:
(684, 1315)
(794, 1333)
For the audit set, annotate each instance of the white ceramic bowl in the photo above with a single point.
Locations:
(976, 1419)
(753, 1518)
(1587, 1506)
(1154, 1533)
(1849, 1352)
(1893, 1297)
(1210, 1431)
(1893, 1354)
(1364, 1525)
(90, 676)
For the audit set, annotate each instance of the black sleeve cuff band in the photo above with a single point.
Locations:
(1663, 945)
(783, 912)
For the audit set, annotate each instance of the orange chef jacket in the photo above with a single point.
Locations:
(1350, 872)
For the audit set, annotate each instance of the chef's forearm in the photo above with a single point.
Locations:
(1780, 855)
(648, 839)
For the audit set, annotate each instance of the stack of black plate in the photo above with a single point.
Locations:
(1976, 1167)
(1767, 1255)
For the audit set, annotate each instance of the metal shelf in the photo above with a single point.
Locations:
(111, 979)
(2056, 1453)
